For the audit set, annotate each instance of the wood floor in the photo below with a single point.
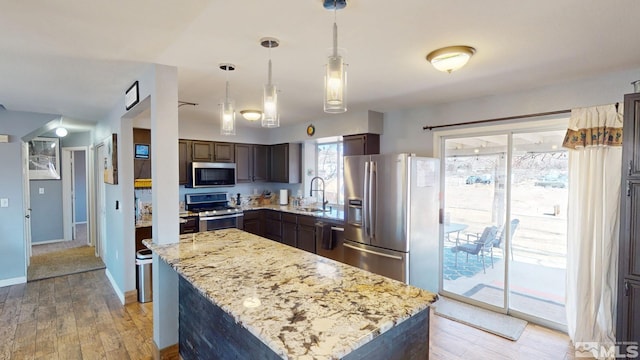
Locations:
(72, 317)
(79, 317)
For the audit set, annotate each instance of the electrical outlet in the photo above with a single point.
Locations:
(4, 202)
(40, 191)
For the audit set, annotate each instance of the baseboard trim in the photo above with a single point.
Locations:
(115, 287)
(169, 353)
(47, 242)
(130, 297)
(13, 281)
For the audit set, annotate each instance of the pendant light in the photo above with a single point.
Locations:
(335, 79)
(270, 118)
(227, 109)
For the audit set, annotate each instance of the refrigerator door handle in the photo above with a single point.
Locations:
(373, 187)
(365, 202)
(373, 252)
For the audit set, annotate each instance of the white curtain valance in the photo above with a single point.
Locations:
(594, 126)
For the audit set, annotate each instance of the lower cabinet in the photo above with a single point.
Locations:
(253, 222)
(631, 312)
(299, 231)
(191, 226)
(273, 228)
(142, 233)
(289, 229)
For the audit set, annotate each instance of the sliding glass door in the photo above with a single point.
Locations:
(475, 198)
(504, 244)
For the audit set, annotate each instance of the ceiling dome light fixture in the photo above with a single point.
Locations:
(227, 108)
(335, 79)
(271, 118)
(450, 58)
(251, 115)
(61, 131)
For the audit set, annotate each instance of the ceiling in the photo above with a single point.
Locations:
(77, 57)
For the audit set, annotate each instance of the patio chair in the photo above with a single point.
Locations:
(502, 233)
(479, 247)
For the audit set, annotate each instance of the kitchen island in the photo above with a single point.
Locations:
(243, 296)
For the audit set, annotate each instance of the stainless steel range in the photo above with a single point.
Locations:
(214, 211)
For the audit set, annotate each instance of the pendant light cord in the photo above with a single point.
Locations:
(335, 29)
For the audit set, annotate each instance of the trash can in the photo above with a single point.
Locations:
(143, 282)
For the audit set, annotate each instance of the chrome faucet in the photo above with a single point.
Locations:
(316, 190)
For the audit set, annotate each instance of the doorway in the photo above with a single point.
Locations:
(504, 244)
(74, 194)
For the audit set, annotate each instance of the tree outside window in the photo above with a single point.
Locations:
(329, 166)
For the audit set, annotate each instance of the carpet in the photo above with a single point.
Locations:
(467, 269)
(499, 324)
(529, 303)
(63, 262)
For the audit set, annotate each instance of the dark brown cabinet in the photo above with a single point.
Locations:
(201, 151)
(184, 158)
(252, 162)
(273, 225)
(253, 222)
(306, 234)
(142, 167)
(361, 144)
(628, 318)
(299, 231)
(142, 233)
(190, 226)
(223, 152)
(289, 229)
(284, 162)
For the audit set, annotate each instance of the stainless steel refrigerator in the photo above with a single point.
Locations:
(391, 222)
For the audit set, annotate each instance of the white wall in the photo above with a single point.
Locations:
(403, 128)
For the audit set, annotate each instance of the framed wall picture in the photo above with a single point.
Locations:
(111, 160)
(44, 159)
(131, 96)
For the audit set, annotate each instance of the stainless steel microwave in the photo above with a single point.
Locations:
(211, 174)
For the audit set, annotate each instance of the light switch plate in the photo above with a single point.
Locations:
(40, 191)
(4, 202)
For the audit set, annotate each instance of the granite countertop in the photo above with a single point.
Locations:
(147, 220)
(336, 213)
(297, 303)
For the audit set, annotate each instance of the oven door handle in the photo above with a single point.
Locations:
(221, 217)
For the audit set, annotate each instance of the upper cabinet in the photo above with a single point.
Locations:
(206, 151)
(184, 158)
(284, 161)
(361, 144)
(142, 167)
(252, 163)
(279, 163)
(201, 151)
(223, 152)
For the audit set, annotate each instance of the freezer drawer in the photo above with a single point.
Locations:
(389, 263)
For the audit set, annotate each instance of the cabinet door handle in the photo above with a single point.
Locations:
(628, 188)
(630, 167)
(626, 288)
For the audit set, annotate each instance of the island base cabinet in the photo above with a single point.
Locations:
(208, 332)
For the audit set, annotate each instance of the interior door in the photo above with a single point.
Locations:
(26, 202)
